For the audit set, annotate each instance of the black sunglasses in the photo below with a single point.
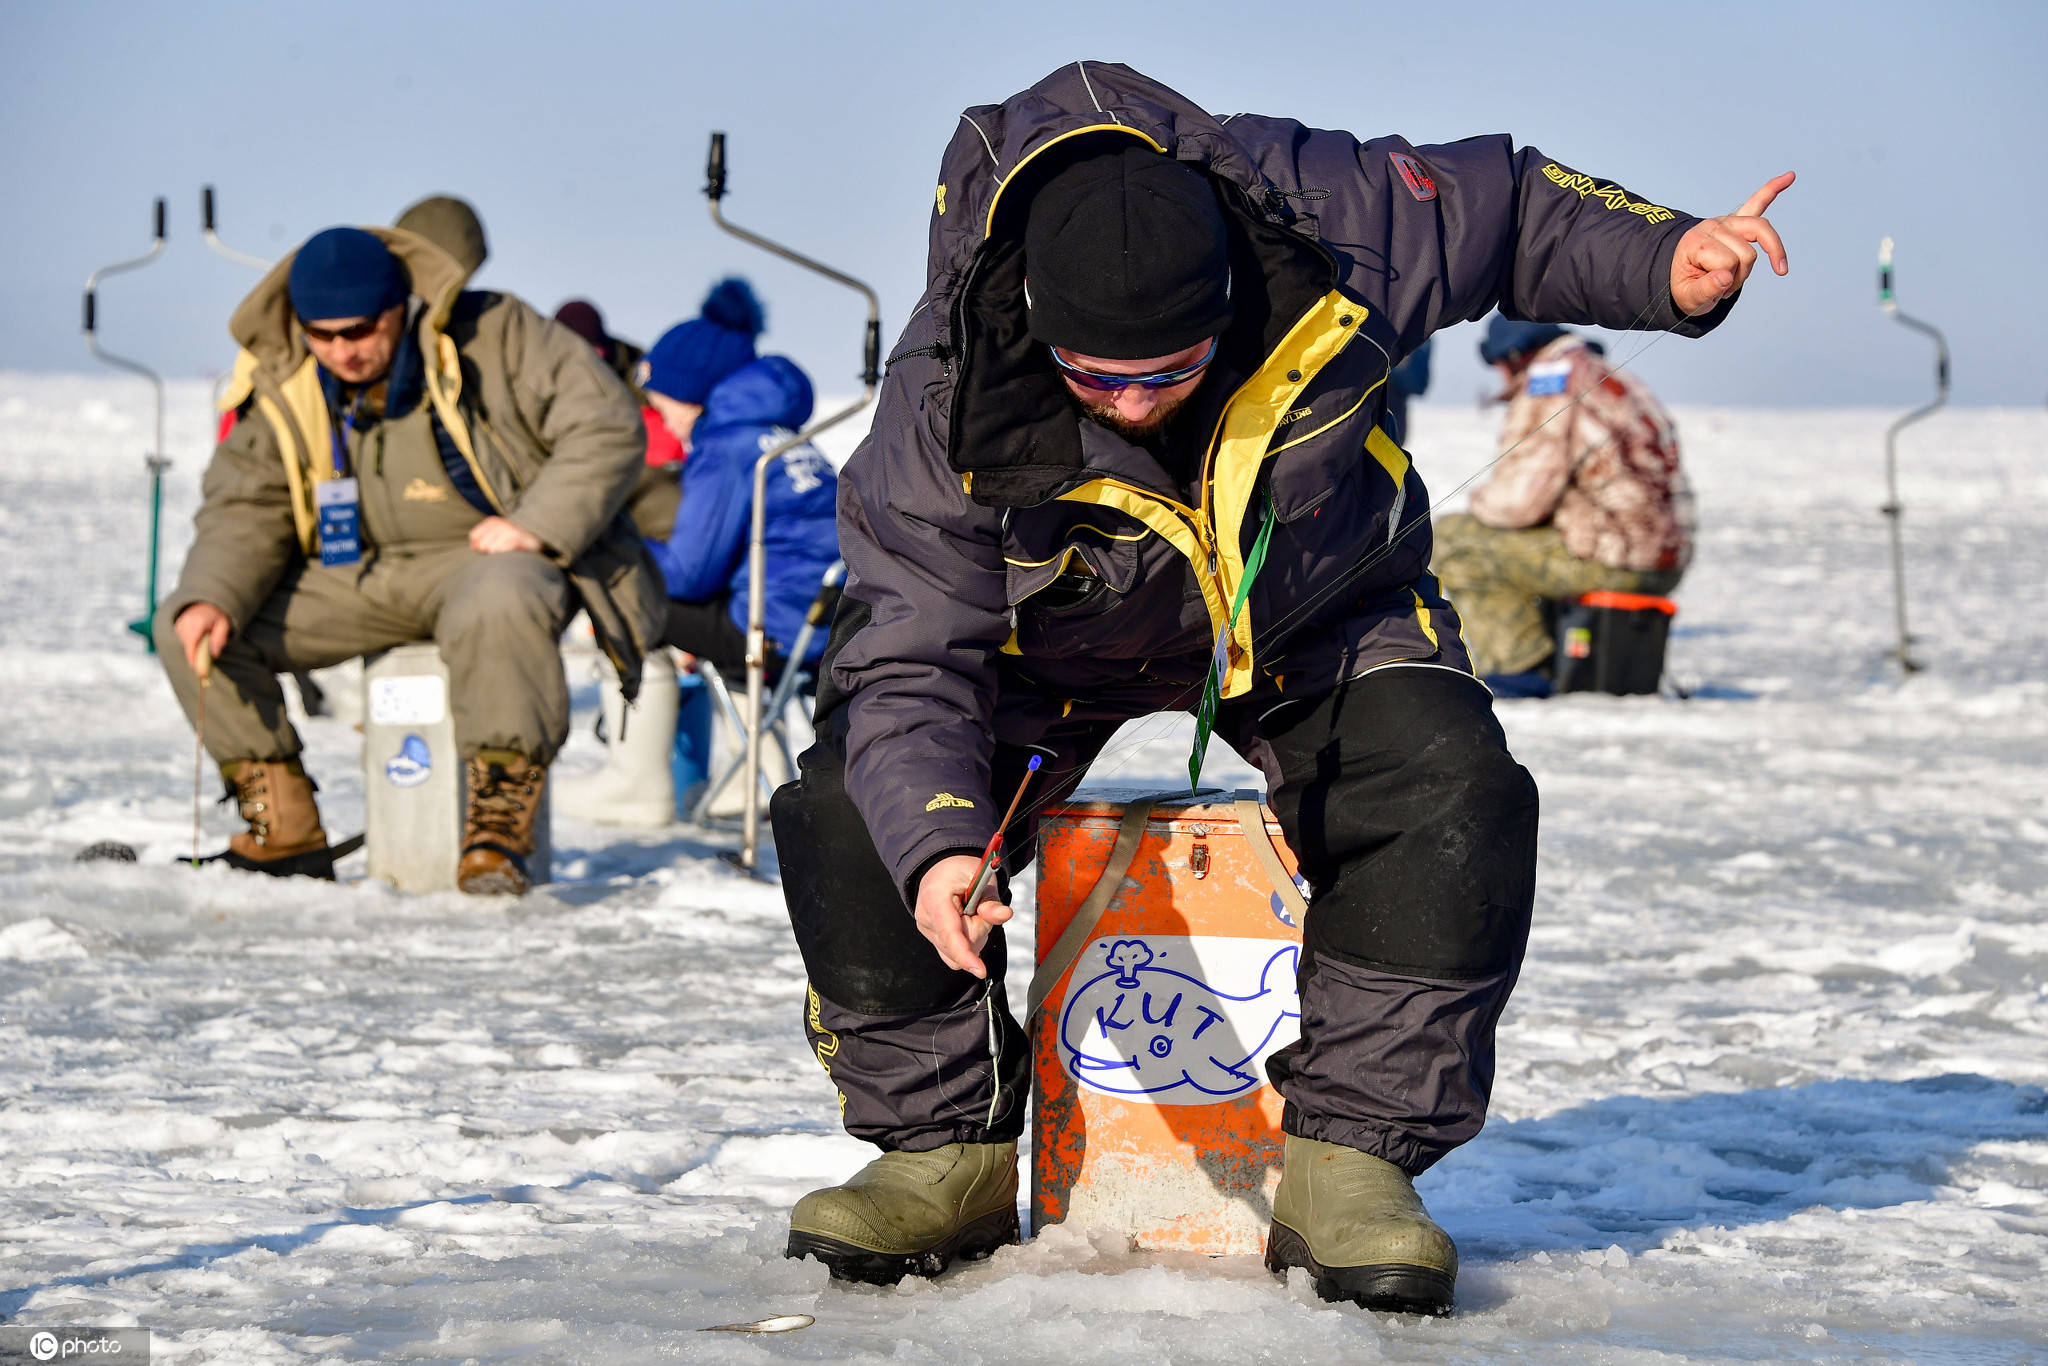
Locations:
(353, 332)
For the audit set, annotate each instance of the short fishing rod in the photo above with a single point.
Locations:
(992, 856)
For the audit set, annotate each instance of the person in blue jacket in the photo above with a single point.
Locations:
(728, 406)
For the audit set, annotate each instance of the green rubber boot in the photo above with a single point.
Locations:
(911, 1214)
(1355, 1222)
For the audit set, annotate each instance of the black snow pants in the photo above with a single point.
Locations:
(1414, 827)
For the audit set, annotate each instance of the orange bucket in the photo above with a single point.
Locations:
(1156, 1003)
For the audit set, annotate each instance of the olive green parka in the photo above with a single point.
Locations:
(553, 437)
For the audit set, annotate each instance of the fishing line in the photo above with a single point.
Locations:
(1373, 557)
(202, 665)
(1111, 759)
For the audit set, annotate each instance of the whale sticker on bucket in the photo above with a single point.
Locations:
(1180, 1020)
(412, 765)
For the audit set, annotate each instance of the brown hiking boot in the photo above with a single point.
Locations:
(284, 838)
(504, 797)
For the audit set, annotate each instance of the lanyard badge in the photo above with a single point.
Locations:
(339, 509)
(1219, 658)
(341, 540)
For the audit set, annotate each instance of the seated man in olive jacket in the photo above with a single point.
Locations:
(1131, 457)
(413, 462)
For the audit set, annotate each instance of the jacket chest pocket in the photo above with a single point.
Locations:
(1315, 455)
(1324, 472)
(1075, 572)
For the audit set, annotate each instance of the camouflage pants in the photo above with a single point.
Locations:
(1498, 580)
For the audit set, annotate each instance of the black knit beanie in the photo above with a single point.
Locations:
(1126, 257)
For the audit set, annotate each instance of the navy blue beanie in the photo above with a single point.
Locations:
(346, 273)
(691, 358)
(1506, 339)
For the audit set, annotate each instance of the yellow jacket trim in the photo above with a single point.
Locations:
(1310, 436)
(241, 383)
(1065, 557)
(1241, 445)
(1243, 442)
(1068, 552)
(1210, 536)
(989, 226)
(1422, 620)
(1177, 522)
(1392, 458)
(296, 412)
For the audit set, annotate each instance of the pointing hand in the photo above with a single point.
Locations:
(1716, 254)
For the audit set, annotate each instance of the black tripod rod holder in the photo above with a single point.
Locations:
(714, 190)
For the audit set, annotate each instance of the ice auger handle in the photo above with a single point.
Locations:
(1893, 509)
(756, 716)
(206, 208)
(159, 219)
(714, 169)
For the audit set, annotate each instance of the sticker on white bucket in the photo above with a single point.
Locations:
(408, 700)
(412, 765)
(1177, 1019)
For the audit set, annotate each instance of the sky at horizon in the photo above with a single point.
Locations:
(580, 137)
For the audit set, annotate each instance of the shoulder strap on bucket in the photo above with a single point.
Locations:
(1251, 818)
(1129, 835)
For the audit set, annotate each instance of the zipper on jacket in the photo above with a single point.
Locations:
(936, 350)
(1197, 519)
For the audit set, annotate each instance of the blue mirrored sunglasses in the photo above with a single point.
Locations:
(1116, 384)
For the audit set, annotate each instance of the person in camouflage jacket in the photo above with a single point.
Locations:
(1587, 495)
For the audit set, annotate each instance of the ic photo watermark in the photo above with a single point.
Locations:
(37, 1346)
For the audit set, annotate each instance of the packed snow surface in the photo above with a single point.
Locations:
(1771, 1089)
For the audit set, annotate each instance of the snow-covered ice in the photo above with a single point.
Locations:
(1772, 1088)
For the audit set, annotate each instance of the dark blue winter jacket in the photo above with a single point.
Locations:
(752, 409)
(1012, 565)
